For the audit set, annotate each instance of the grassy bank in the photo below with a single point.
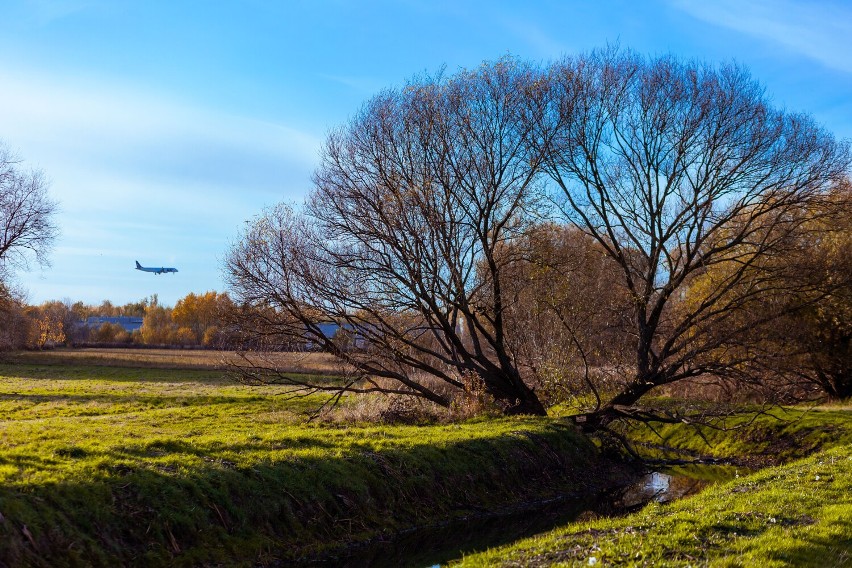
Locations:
(793, 514)
(799, 514)
(106, 465)
(107, 462)
(751, 439)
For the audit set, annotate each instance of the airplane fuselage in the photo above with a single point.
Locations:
(160, 270)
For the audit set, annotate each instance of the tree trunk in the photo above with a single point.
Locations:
(531, 405)
(615, 408)
(508, 387)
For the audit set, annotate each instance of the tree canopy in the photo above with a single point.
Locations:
(398, 243)
(672, 167)
(425, 206)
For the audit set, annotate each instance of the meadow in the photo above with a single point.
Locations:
(146, 458)
(132, 465)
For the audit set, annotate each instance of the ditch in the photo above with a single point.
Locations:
(438, 544)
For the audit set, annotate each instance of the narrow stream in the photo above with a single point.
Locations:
(433, 546)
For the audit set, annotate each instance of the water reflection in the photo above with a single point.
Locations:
(660, 487)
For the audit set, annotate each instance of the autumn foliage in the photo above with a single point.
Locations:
(197, 320)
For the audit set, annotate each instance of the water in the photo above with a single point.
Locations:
(660, 487)
(434, 545)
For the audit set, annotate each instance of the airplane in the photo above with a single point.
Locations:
(154, 270)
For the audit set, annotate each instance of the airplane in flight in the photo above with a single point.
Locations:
(154, 270)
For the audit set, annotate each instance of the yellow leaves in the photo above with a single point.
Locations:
(186, 336)
(49, 330)
(195, 319)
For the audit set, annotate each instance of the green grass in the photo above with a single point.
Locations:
(110, 466)
(753, 439)
(798, 514)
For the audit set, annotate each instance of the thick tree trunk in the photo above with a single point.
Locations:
(530, 405)
(510, 389)
(618, 406)
(838, 387)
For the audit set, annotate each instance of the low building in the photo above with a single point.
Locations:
(129, 323)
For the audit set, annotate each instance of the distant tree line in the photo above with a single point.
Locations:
(197, 320)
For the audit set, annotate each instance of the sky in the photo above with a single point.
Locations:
(164, 126)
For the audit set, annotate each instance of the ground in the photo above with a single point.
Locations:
(102, 464)
(139, 457)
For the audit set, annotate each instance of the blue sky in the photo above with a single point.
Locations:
(164, 125)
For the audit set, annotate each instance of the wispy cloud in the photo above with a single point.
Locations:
(539, 40)
(88, 116)
(820, 30)
(364, 85)
(110, 137)
(145, 173)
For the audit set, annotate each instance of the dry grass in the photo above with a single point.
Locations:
(320, 363)
(377, 408)
(384, 409)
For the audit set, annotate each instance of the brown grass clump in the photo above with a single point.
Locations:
(381, 408)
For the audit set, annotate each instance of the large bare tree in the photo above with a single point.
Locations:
(399, 243)
(674, 167)
(418, 227)
(27, 228)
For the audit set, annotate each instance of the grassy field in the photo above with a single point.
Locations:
(108, 465)
(794, 514)
(155, 458)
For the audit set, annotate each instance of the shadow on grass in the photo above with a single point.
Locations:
(142, 508)
(116, 374)
(209, 450)
(141, 400)
(819, 551)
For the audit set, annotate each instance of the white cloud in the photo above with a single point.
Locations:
(819, 30)
(87, 119)
(111, 148)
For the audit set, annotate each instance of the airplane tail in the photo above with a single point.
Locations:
(138, 266)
